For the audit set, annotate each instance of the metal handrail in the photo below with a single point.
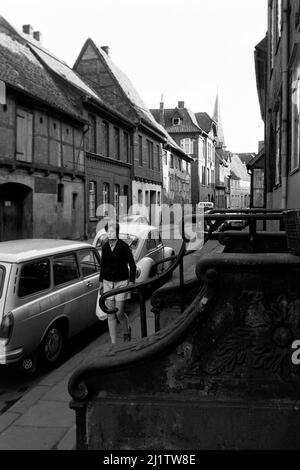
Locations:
(243, 214)
(142, 286)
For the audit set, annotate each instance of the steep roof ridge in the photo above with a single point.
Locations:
(128, 88)
(49, 92)
(239, 168)
(63, 69)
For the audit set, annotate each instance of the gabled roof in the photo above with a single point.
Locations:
(189, 125)
(126, 87)
(221, 158)
(20, 68)
(62, 69)
(239, 169)
(224, 154)
(246, 157)
(205, 122)
(259, 158)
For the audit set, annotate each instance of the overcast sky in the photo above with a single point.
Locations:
(186, 50)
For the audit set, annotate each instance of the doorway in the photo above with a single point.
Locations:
(15, 211)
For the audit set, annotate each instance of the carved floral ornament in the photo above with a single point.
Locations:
(263, 338)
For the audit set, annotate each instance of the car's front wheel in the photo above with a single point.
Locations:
(52, 347)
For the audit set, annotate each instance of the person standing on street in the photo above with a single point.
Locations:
(118, 269)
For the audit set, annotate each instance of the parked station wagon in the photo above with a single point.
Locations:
(48, 293)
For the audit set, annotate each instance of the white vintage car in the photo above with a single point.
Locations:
(146, 245)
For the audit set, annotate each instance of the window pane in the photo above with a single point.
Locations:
(140, 150)
(91, 135)
(92, 199)
(65, 269)
(88, 263)
(2, 274)
(34, 277)
(105, 140)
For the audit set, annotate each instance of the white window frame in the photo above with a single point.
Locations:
(117, 198)
(187, 146)
(105, 196)
(176, 121)
(295, 94)
(92, 199)
(277, 148)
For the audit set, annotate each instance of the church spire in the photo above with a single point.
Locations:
(217, 118)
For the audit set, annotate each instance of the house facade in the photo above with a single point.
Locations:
(239, 184)
(41, 150)
(176, 166)
(181, 124)
(106, 141)
(222, 183)
(277, 65)
(207, 161)
(95, 67)
(256, 168)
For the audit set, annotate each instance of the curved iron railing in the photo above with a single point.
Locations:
(217, 216)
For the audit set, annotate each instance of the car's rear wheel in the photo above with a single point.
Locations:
(52, 347)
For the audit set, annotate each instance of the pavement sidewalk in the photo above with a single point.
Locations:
(42, 419)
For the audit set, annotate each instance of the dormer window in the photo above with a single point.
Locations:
(176, 121)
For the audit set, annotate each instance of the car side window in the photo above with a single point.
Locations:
(88, 262)
(34, 277)
(65, 269)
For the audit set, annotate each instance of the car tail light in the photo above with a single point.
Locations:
(6, 326)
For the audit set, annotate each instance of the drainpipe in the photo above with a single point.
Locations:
(285, 91)
(85, 195)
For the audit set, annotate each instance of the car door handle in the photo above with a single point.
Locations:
(89, 284)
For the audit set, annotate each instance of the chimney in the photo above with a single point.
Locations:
(105, 49)
(181, 104)
(161, 112)
(37, 36)
(28, 29)
(261, 144)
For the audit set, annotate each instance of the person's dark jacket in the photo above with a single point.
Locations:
(114, 264)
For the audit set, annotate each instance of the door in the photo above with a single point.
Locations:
(89, 264)
(15, 211)
(11, 219)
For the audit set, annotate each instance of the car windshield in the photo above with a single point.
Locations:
(2, 274)
(131, 240)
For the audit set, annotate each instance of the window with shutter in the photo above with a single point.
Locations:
(24, 135)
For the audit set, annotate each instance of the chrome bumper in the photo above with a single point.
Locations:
(8, 357)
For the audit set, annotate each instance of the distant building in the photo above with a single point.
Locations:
(183, 127)
(207, 161)
(256, 168)
(223, 159)
(222, 183)
(246, 157)
(239, 184)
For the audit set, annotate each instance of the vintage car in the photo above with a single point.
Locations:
(134, 219)
(48, 293)
(146, 245)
